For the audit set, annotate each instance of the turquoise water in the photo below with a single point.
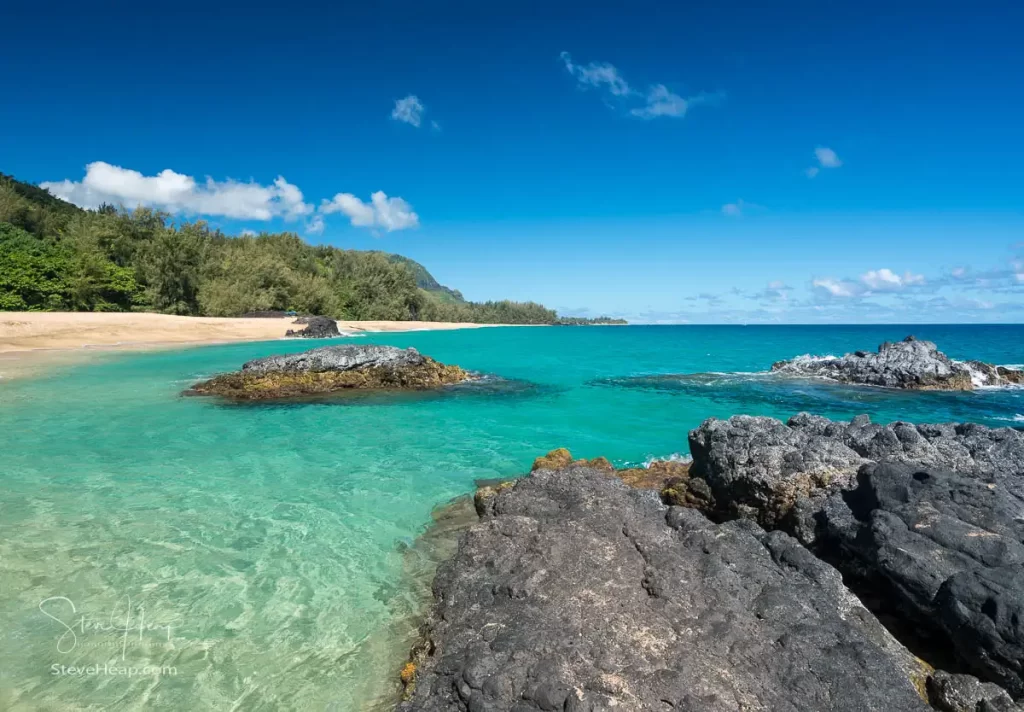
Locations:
(266, 550)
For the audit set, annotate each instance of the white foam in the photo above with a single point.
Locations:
(1018, 418)
(811, 358)
(674, 457)
(981, 380)
(978, 378)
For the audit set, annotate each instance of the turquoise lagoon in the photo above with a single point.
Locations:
(264, 558)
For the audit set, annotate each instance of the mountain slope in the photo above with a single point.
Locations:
(425, 280)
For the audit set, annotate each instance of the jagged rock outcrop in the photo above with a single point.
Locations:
(965, 693)
(779, 473)
(577, 592)
(332, 368)
(909, 364)
(946, 552)
(928, 519)
(317, 327)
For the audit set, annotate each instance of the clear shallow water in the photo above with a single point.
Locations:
(274, 541)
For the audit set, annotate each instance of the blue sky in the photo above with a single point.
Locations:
(703, 162)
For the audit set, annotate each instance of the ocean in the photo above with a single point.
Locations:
(162, 552)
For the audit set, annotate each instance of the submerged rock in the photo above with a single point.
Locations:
(779, 473)
(577, 592)
(946, 551)
(332, 368)
(909, 364)
(317, 327)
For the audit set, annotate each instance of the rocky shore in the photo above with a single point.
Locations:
(329, 369)
(317, 327)
(756, 578)
(909, 364)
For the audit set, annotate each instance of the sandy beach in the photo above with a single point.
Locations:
(32, 341)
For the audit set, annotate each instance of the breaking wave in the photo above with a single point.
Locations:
(981, 380)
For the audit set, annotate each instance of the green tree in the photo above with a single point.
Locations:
(171, 264)
(33, 274)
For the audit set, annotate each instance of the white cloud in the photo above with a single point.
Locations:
(740, 208)
(598, 74)
(776, 291)
(836, 288)
(361, 214)
(391, 214)
(662, 102)
(178, 193)
(315, 226)
(886, 280)
(658, 100)
(408, 110)
(246, 232)
(959, 272)
(733, 210)
(826, 158)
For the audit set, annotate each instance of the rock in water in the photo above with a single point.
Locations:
(946, 551)
(581, 593)
(332, 368)
(910, 364)
(779, 473)
(317, 327)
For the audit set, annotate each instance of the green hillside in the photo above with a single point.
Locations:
(425, 280)
(55, 256)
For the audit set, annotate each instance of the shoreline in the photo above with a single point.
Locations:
(32, 342)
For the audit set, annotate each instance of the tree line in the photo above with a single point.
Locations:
(57, 257)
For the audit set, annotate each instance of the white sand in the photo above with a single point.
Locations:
(30, 341)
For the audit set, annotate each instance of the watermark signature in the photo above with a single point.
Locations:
(125, 621)
(112, 670)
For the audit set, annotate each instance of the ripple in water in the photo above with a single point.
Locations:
(988, 405)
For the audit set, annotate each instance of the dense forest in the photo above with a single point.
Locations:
(56, 256)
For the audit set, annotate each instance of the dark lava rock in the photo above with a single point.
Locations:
(910, 364)
(317, 327)
(578, 592)
(332, 368)
(335, 358)
(966, 693)
(946, 551)
(779, 473)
